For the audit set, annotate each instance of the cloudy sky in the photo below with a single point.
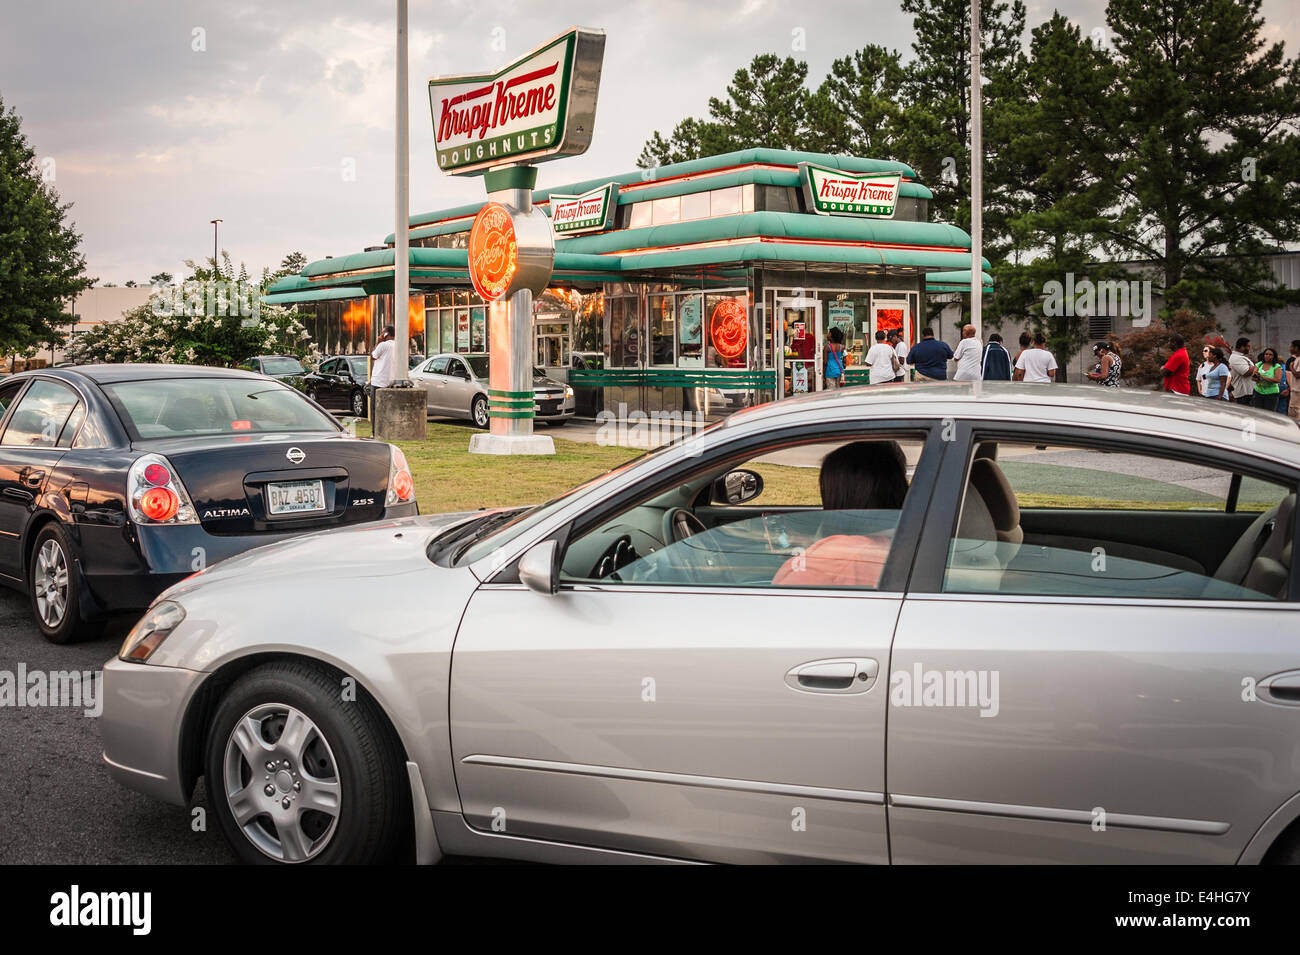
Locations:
(278, 117)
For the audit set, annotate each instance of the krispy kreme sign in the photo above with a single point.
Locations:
(542, 106)
(833, 192)
(589, 212)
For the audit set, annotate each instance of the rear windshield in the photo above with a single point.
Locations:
(282, 366)
(193, 406)
(358, 366)
(478, 364)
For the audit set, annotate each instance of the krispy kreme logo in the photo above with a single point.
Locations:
(835, 192)
(493, 252)
(474, 114)
(588, 212)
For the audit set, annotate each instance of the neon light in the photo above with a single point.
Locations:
(729, 329)
(493, 252)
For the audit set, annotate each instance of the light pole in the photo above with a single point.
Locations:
(214, 244)
(401, 231)
(976, 176)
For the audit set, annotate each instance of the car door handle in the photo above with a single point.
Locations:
(1281, 688)
(33, 478)
(841, 675)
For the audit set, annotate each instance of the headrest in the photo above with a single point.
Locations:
(987, 478)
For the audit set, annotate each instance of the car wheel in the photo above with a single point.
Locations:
(557, 423)
(313, 395)
(359, 403)
(478, 411)
(54, 586)
(296, 773)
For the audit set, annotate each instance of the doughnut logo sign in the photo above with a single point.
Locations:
(834, 192)
(729, 329)
(493, 252)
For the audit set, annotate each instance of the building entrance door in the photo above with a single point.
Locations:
(803, 338)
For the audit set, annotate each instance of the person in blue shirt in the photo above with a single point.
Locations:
(997, 360)
(930, 357)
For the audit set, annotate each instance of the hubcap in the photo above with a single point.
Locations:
(281, 782)
(358, 405)
(50, 583)
(480, 414)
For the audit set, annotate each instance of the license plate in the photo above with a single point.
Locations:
(295, 497)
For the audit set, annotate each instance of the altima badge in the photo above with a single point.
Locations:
(295, 455)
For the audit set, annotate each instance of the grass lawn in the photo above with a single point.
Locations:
(449, 478)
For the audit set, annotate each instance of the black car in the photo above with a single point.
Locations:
(340, 383)
(117, 481)
(284, 367)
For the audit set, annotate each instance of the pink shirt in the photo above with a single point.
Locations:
(842, 560)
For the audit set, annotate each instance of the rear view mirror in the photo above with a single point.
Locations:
(737, 487)
(537, 568)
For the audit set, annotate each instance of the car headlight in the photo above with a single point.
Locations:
(568, 391)
(154, 627)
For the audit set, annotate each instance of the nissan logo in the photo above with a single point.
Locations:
(295, 455)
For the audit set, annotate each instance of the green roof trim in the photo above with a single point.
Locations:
(957, 280)
(313, 295)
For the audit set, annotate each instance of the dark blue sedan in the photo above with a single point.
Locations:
(117, 481)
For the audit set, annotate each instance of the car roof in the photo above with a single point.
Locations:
(111, 374)
(1255, 431)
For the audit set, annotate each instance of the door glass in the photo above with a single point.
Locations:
(1081, 522)
(801, 349)
(40, 416)
(439, 365)
(824, 515)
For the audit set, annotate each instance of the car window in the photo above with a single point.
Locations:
(1107, 525)
(439, 365)
(39, 418)
(72, 425)
(283, 366)
(249, 366)
(196, 406)
(479, 365)
(357, 366)
(8, 392)
(824, 515)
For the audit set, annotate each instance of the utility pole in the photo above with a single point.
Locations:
(976, 176)
(215, 268)
(401, 230)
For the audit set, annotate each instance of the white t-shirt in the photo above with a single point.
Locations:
(1242, 384)
(381, 372)
(881, 360)
(901, 351)
(1036, 363)
(967, 357)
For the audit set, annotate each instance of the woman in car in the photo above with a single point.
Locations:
(861, 476)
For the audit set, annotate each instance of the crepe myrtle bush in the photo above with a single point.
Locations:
(143, 335)
(1144, 351)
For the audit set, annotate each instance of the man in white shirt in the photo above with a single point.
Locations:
(381, 371)
(900, 350)
(881, 360)
(1036, 364)
(967, 355)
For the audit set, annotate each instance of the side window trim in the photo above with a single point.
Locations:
(79, 399)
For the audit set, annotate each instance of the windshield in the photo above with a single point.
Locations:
(181, 407)
(478, 365)
(282, 366)
(358, 366)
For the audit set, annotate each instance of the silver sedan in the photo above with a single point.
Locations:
(1065, 618)
(456, 385)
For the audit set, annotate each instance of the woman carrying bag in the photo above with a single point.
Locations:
(835, 359)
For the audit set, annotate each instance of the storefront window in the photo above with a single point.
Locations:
(588, 324)
(478, 328)
(695, 206)
(662, 327)
(667, 209)
(448, 334)
(727, 338)
(690, 331)
(724, 202)
(626, 337)
(640, 216)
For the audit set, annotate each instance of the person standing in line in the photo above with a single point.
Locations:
(1108, 365)
(1214, 376)
(1178, 367)
(1268, 374)
(1036, 365)
(996, 365)
(900, 350)
(1284, 388)
(1243, 372)
(381, 364)
(930, 357)
(835, 360)
(1026, 343)
(967, 356)
(1293, 379)
(882, 361)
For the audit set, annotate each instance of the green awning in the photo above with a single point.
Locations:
(315, 295)
(957, 280)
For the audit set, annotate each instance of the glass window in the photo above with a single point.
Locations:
(282, 366)
(667, 209)
(690, 331)
(695, 206)
(40, 416)
(359, 367)
(625, 333)
(439, 365)
(447, 323)
(662, 331)
(194, 406)
(747, 197)
(478, 328)
(478, 365)
(767, 523)
(724, 202)
(73, 423)
(639, 218)
(1107, 525)
(728, 336)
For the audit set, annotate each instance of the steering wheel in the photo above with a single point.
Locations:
(616, 556)
(680, 523)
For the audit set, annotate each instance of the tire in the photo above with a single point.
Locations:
(345, 756)
(313, 395)
(557, 423)
(54, 589)
(478, 412)
(357, 403)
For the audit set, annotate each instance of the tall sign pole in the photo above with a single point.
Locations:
(976, 176)
(402, 229)
(540, 107)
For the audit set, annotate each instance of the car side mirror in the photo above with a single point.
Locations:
(537, 568)
(737, 487)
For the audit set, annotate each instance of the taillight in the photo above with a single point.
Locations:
(155, 495)
(401, 487)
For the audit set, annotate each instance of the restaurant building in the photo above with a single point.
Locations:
(698, 286)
